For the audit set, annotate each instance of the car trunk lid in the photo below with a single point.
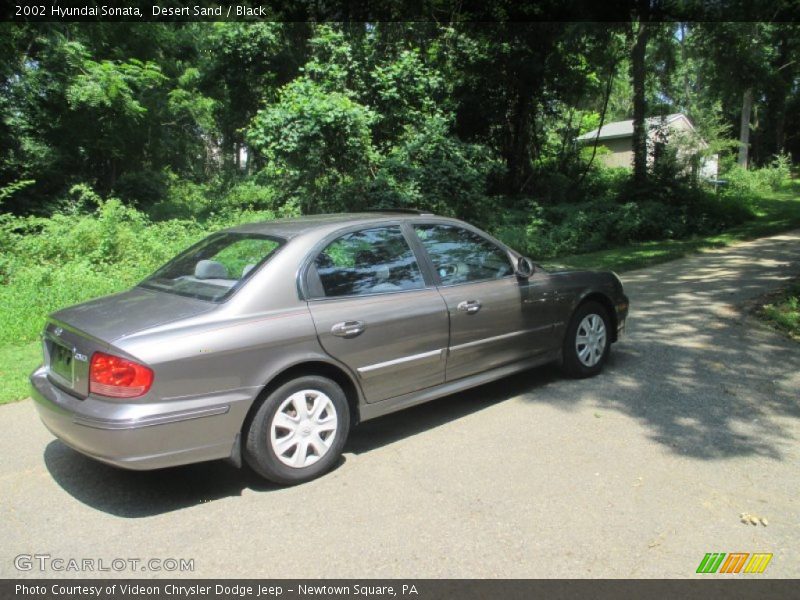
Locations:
(73, 334)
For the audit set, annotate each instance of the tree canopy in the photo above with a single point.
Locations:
(459, 117)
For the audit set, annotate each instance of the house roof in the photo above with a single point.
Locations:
(622, 129)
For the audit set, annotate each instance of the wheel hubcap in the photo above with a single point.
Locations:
(590, 340)
(303, 428)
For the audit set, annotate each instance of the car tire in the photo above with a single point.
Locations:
(298, 431)
(587, 341)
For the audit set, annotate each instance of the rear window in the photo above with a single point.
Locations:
(215, 267)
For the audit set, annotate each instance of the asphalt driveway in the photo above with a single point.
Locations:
(636, 473)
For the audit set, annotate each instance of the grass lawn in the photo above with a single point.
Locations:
(16, 363)
(776, 212)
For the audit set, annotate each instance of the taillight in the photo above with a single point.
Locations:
(118, 377)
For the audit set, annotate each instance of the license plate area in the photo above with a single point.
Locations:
(62, 363)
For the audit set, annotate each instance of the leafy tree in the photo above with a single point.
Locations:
(432, 169)
(243, 65)
(736, 61)
(316, 146)
(114, 97)
(462, 115)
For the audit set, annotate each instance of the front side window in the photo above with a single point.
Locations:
(215, 267)
(370, 261)
(462, 256)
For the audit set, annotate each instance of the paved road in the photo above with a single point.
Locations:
(636, 473)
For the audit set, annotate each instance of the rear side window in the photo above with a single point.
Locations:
(371, 261)
(462, 256)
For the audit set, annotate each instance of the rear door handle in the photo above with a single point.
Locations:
(469, 306)
(348, 329)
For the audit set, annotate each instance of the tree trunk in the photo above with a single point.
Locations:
(780, 131)
(744, 128)
(638, 75)
(783, 87)
(687, 90)
(518, 152)
(112, 178)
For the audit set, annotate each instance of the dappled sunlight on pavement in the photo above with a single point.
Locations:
(713, 381)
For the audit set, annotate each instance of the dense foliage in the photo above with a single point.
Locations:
(49, 263)
(334, 117)
(121, 143)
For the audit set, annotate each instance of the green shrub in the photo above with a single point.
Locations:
(9, 190)
(605, 183)
(81, 198)
(249, 195)
(183, 200)
(434, 170)
(778, 171)
(49, 263)
(548, 231)
(752, 182)
(143, 188)
(717, 212)
(233, 218)
(36, 290)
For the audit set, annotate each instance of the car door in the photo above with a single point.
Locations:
(495, 317)
(374, 311)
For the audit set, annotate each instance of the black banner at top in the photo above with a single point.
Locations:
(401, 10)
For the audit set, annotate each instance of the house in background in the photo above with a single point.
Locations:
(618, 138)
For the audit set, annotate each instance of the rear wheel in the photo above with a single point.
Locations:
(587, 342)
(299, 430)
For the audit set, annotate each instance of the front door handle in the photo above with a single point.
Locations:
(348, 329)
(469, 306)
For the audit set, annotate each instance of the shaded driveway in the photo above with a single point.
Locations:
(636, 473)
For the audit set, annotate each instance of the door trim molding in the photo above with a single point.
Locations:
(498, 338)
(371, 411)
(403, 361)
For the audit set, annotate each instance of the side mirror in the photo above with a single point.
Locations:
(524, 268)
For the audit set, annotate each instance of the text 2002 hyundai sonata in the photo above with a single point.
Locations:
(268, 341)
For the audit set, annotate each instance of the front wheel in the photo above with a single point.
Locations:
(587, 342)
(298, 432)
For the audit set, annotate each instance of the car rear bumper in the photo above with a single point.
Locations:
(162, 434)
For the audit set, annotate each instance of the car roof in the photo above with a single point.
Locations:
(293, 227)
